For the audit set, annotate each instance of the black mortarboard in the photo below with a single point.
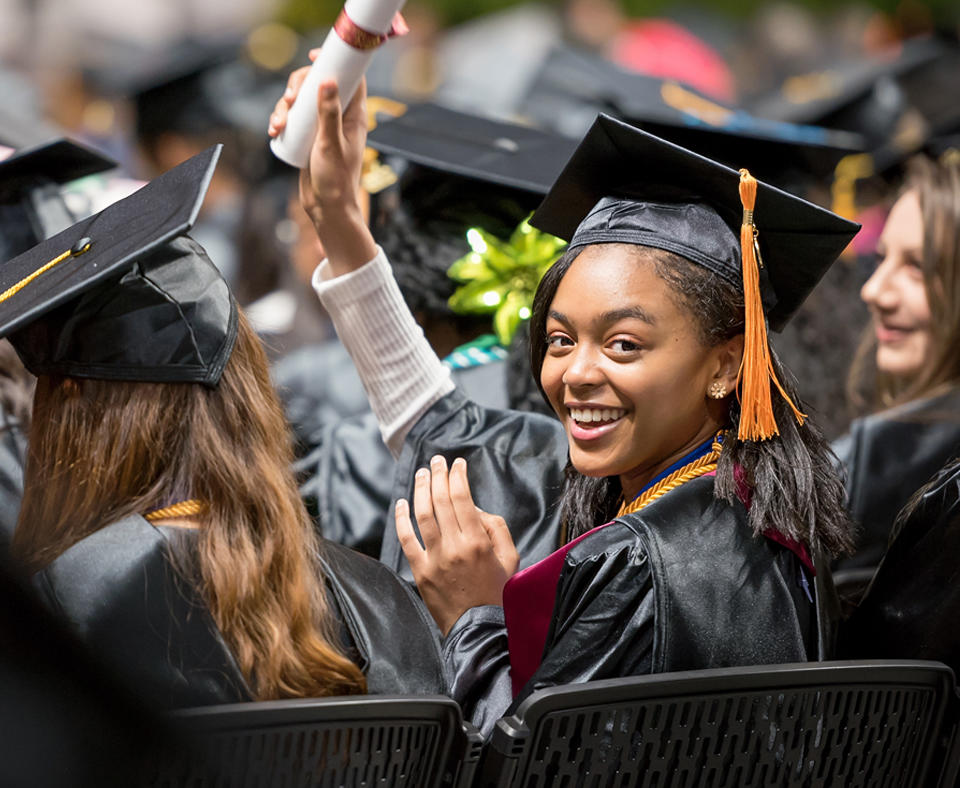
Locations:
(125, 294)
(643, 173)
(623, 185)
(458, 171)
(31, 205)
(572, 87)
(505, 154)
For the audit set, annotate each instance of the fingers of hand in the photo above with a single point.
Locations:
(278, 119)
(423, 510)
(440, 493)
(409, 543)
(499, 535)
(462, 500)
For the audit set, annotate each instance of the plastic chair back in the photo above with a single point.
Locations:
(331, 742)
(819, 724)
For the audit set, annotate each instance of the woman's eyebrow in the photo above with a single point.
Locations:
(628, 313)
(559, 317)
(611, 316)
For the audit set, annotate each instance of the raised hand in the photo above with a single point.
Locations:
(467, 554)
(330, 185)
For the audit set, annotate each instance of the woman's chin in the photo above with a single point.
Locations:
(593, 467)
(901, 363)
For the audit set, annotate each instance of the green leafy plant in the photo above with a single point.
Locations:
(500, 277)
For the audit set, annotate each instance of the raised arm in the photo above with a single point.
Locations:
(402, 375)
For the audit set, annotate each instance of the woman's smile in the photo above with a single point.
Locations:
(625, 369)
(590, 422)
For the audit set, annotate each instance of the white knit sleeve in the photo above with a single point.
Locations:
(401, 373)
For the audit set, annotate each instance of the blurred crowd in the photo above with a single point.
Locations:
(829, 103)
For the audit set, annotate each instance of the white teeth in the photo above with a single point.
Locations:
(590, 415)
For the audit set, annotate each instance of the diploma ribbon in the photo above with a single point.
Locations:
(354, 35)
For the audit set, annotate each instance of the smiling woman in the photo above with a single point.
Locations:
(698, 497)
(910, 357)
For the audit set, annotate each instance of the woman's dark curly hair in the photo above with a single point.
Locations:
(795, 487)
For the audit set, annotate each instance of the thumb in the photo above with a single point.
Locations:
(329, 121)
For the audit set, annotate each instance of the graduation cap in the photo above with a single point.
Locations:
(865, 95)
(458, 170)
(31, 204)
(125, 294)
(195, 87)
(482, 149)
(624, 185)
(572, 87)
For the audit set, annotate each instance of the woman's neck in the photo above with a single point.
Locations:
(634, 481)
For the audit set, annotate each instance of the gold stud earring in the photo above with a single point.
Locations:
(717, 390)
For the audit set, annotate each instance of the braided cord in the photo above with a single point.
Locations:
(189, 508)
(699, 467)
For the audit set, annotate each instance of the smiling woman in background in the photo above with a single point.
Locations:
(911, 356)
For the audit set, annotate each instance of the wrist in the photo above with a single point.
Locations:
(346, 239)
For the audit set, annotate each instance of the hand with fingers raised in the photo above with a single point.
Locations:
(330, 184)
(467, 554)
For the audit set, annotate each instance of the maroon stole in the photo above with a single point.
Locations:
(529, 597)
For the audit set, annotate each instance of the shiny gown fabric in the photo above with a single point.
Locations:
(684, 584)
(910, 610)
(13, 445)
(119, 590)
(515, 462)
(345, 470)
(888, 457)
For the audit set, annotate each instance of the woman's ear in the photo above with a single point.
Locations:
(728, 356)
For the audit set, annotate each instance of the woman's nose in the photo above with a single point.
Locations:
(584, 368)
(880, 290)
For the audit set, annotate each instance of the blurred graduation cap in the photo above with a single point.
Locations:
(31, 204)
(868, 95)
(195, 87)
(124, 294)
(572, 87)
(469, 169)
(798, 241)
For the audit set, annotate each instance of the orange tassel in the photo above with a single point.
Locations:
(757, 421)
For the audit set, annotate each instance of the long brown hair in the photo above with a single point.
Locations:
(937, 184)
(100, 451)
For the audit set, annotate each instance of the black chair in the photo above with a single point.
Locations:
(350, 741)
(818, 724)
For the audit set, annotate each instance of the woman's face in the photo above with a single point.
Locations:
(896, 293)
(625, 369)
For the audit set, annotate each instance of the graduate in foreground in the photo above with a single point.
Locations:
(684, 436)
(160, 515)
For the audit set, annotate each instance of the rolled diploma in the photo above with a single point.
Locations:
(337, 60)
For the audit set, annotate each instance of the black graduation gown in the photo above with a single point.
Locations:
(887, 457)
(516, 463)
(346, 472)
(911, 608)
(119, 591)
(682, 585)
(13, 445)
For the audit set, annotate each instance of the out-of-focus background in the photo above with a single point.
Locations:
(153, 81)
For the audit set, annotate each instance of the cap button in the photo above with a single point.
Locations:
(81, 246)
